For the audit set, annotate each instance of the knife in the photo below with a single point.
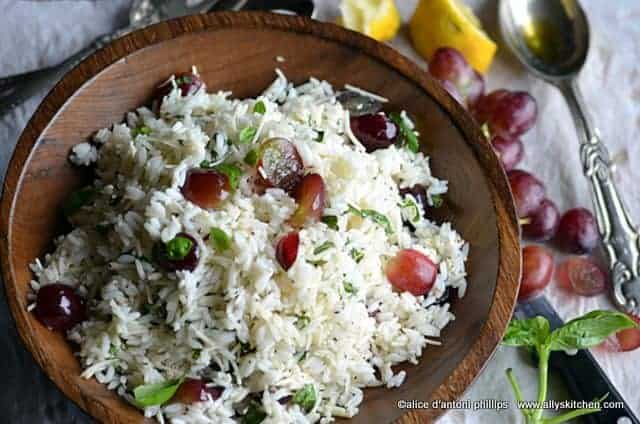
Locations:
(581, 372)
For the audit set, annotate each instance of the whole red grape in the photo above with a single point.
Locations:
(577, 231)
(537, 270)
(528, 192)
(542, 224)
(509, 149)
(450, 67)
(59, 307)
(509, 113)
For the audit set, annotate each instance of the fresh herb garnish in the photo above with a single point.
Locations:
(302, 356)
(320, 136)
(178, 248)
(437, 200)
(412, 209)
(407, 135)
(318, 262)
(302, 322)
(155, 394)
(356, 255)
(220, 240)
(259, 107)
(305, 397)
(78, 199)
(232, 172)
(581, 333)
(251, 158)
(246, 135)
(255, 414)
(349, 287)
(184, 79)
(324, 246)
(331, 221)
(140, 130)
(375, 216)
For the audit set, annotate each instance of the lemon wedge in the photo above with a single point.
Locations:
(379, 19)
(450, 23)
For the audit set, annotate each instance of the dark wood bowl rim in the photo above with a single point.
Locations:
(505, 294)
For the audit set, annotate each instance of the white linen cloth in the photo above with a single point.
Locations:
(38, 33)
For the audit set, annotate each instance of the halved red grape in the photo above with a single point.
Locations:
(206, 188)
(577, 231)
(310, 196)
(374, 131)
(195, 390)
(450, 67)
(582, 276)
(411, 271)
(542, 223)
(510, 113)
(629, 339)
(537, 270)
(279, 164)
(528, 191)
(287, 249)
(187, 82)
(178, 254)
(59, 307)
(509, 149)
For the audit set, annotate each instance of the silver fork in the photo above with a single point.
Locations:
(15, 89)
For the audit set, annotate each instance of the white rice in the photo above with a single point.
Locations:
(147, 326)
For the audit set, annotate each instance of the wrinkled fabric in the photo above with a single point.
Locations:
(38, 33)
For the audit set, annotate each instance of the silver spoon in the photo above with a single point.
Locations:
(551, 38)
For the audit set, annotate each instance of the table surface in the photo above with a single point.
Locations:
(37, 33)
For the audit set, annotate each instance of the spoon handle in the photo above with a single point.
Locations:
(619, 235)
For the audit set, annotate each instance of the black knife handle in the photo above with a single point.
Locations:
(582, 374)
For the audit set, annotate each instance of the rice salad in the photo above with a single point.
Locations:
(195, 312)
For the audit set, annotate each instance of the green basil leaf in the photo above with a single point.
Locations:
(259, 107)
(232, 172)
(324, 246)
(155, 394)
(375, 216)
(305, 397)
(178, 248)
(320, 136)
(251, 158)
(331, 221)
(140, 130)
(589, 330)
(220, 240)
(318, 262)
(246, 135)
(412, 209)
(302, 322)
(531, 332)
(356, 255)
(255, 414)
(407, 135)
(349, 287)
(78, 199)
(437, 200)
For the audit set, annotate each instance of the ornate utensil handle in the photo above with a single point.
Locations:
(619, 235)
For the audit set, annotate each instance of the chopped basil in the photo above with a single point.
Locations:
(232, 172)
(113, 350)
(140, 130)
(155, 394)
(255, 414)
(78, 199)
(302, 356)
(407, 135)
(302, 322)
(324, 246)
(178, 248)
(184, 79)
(320, 136)
(356, 255)
(375, 216)
(412, 209)
(319, 262)
(259, 107)
(349, 288)
(195, 355)
(251, 158)
(246, 135)
(331, 221)
(219, 239)
(305, 397)
(437, 200)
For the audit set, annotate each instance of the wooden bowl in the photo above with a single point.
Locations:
(237, 51)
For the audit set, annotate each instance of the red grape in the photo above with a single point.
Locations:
(528, 192)
(629, 339)
(58, 307)
(537, 269)
(509, 149)
(509, 113)
(450, 67)
(195, 390)
(310, 196)
(287, 249)
(411, 271)
(179, 254)
(577, 231)
(187, 82)
(582, 276)
(374, 131)
(542, 223)
(206, 188)
(279, 164)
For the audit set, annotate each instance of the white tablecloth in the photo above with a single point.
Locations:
(39, 33)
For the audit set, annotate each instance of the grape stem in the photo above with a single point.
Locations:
(570, 415)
